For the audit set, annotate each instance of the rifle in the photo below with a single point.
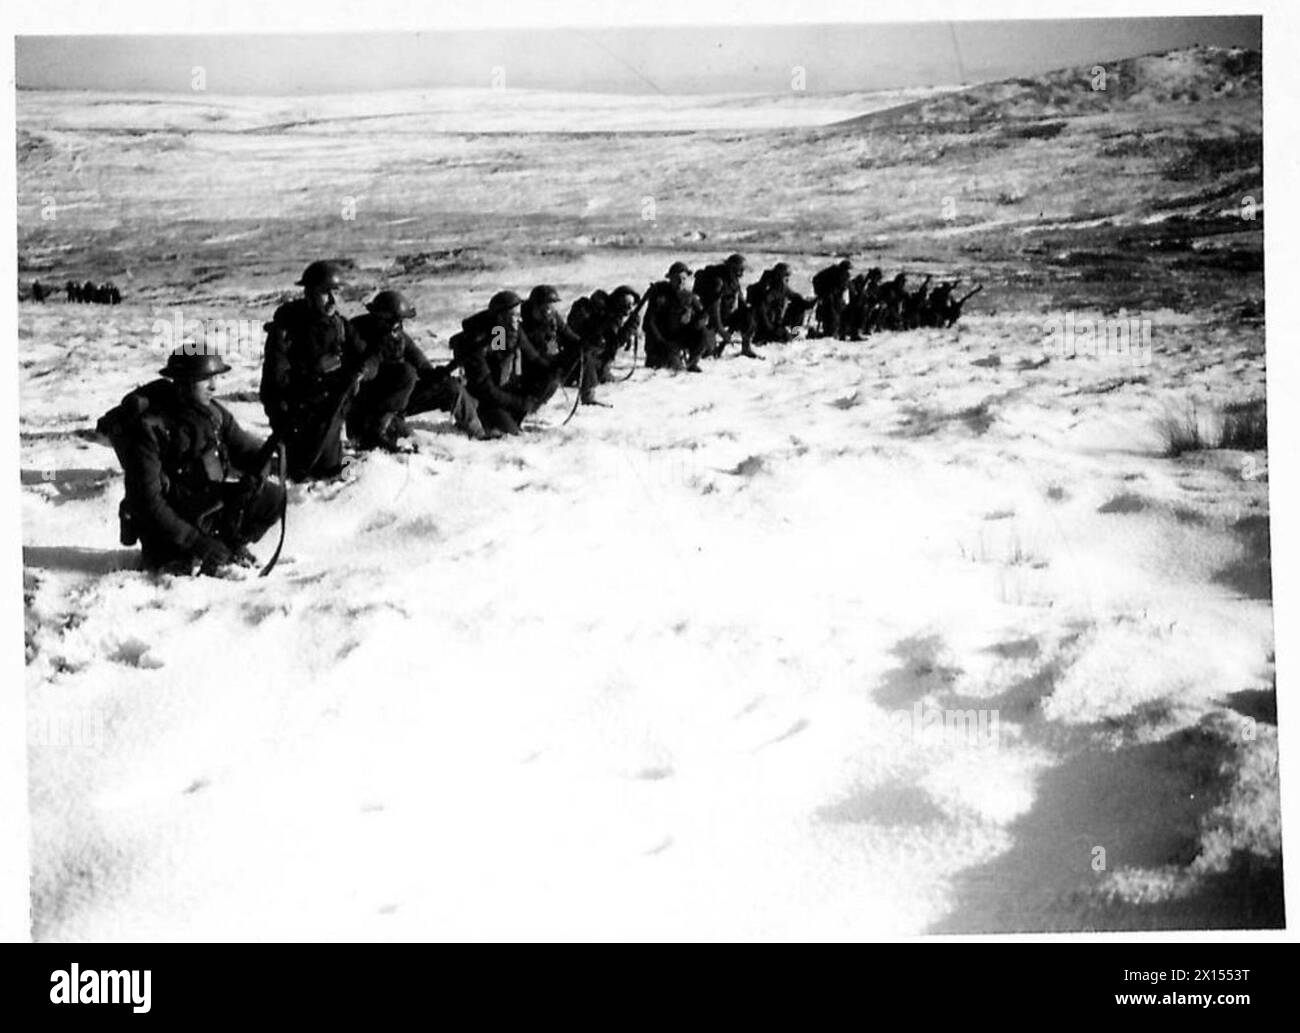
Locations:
(335, 423)
(225, 517)
(954, 311)
(581, 364)
(577, 391)
(282, 470)
(645, 296)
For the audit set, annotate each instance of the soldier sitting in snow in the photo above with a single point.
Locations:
(312, 355)
(606, 325)
(178, 448)
(507, 376)
(405, 383)
(676, 324)
(563, 348)
(777, 310)
(719, 289)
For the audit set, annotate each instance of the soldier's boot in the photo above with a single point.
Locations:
(376, 433)
(498, 421)
(746, 348)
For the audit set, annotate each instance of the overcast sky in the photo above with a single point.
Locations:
(701, 59)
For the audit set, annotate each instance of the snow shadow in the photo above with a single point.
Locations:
(920, 674)
(70, 484)
(895, 804)
(1136, 808)
(1252, 575)
(82, 561)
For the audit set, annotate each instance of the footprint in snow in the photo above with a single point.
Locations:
(1125, 502)
(134, 653)
(748, 467)
(660, 847)
(789, 733)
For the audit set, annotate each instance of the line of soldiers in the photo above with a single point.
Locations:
(87, 293)
(852, 307)
(323, 374)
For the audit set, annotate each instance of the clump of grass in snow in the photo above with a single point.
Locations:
(1237, 425)
(1006, 550)
(1181, 432)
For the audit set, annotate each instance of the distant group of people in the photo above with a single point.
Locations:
(852, 307)
(85, 293)
(324, 375)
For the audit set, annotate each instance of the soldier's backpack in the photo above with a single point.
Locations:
(824, 282)
(123, 426)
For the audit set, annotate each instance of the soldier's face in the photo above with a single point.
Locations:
(321, 300)
(544, 310)
(201, 392)
(679, 280)
(509, 319)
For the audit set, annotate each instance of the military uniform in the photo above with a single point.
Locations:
(861, 315)
(776, 309)
(830, 287)
(405, 381)
(602, 321)
(893, 295)
(562, 348)
(310, 360)
(178, 457)
(719, 290)
(508, 379)
(676, 325)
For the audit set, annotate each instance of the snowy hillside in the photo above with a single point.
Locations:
(679, 668)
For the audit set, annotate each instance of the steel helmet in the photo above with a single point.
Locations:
(392, 304)
(543, 294)
(503, 300)
(322, 274)
(198, 366)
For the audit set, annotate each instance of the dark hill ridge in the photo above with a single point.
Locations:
(1186, 76)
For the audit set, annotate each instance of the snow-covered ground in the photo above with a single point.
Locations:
(682, 667)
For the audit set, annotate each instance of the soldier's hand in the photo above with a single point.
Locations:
(369, 368)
